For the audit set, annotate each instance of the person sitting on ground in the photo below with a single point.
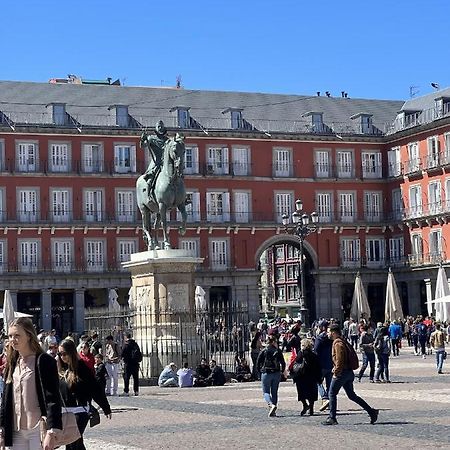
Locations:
(202, 372)
(185, 376)
(217, 375)
(243, 372)
(168, 377)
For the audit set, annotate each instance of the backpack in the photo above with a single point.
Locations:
(271, 364)
(352, 357)
(136, 354)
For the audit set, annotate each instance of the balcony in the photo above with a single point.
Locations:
(427, 259)
(431, 162)
(394, 169)
(413, 166)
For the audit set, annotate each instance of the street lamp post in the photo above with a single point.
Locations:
(302, 225)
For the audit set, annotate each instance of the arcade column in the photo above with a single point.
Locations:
(78, 310)
(46, 309)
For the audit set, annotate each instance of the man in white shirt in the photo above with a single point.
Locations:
(185, 376)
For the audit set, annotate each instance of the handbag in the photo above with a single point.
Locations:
(94, 416)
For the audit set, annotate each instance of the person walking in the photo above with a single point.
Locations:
(32, 373)
(366, 344)
(383, 349)
(112, 365)
(132, 357)
(78, 388)
(322, 348)
(271, 364)
(395, 334)
(343, 377)
(437, 341)
(256, 346)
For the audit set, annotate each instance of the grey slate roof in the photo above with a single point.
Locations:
(426, 101)
(88, 105)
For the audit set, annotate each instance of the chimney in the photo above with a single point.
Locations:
(318, 93)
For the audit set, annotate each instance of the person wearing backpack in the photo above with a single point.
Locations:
(345, 361)
(383, 351)
(271, 364)
(132, 357)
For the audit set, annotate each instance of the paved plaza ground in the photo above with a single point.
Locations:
(414, 413)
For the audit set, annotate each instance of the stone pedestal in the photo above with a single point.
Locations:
(162, 299)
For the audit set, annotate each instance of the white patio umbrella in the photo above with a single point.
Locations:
(200, 301)
(113, 304)
(8, 310)
(360, 305)
(442, 290)
(16, 314)
(393, 307)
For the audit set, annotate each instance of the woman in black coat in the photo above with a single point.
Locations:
(307, 377)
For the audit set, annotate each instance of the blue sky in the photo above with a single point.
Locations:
(373, 49)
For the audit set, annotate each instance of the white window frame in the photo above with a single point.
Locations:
(219, 254)
(3, 255)
(62, 254)
(350, 252)
(242, 206)
(192, 208)
(434, 197)
(398, 209)
(125, 248)
(218, 206)
(347, 206)
(191, 159)
(283, 204)
(322, 159)
(92, 157)
(3, 215)
(124, 158)
(27, 156)
(371, 164)
(446, 156)
(447, 194)
(375, 251)
(282, 161)
(217, 160)
(2, 155)
(93, 201)
(122, 116)
(95, 255)
(415, 201)
(413, 163)
(28, 204)
(396, 249)
(435, 245)
(240, 158)
(433, 151)
(416, 256)
(191, 245)
(59, 156)
(29, 255)
(324, 206)
(345, 163)
(373, 206)
(394, 162)
(60, 204)
(125, 205)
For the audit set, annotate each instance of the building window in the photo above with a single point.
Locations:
(283, 205)
(59, 158)
(397, 205)
(126, 206)
(416, 249)
(29, 255)
(93, 200)
(433, 152)
(2, 155)
(236, 119)
(183, 120)
(372, 206)
(345, 164)
(447, 194)
(190, 245)
(241, 161)
(350, 252)
(2, 205)
(371, 164)
(279, 253)
(292, 252)
(396, 250)
(446, 156)
(282, 162)
(60, 205)
(125, 248)
(217, 161)
(218, 206)
(413, 163)
(394, 162)
(323, 163)
(192, 207)
(292, 272)
(415, 201)
(3, 257)
(347, 206)
(62, 255)
(323, 206)
(241, 203)
(191, 159)
(219, 254)
(27, 159)
(122, 117)
(59, 114)
(95, 255)
(375, 252)
(434, 197)
(92, 158)
(28, 205)
(125, 158)
(281, 293)
(317, 122)
(435, 245)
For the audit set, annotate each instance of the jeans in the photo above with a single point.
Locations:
(113, 381)
(345, 380)
(82, 421)
(423, 344)
(394, 344)
(354, 341)
(131, 370)
(383, 361)
(27, 439)
(270, 383)
(439, 359)
(368, 359)
(325, 393)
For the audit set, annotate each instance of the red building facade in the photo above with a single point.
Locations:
(70, 157)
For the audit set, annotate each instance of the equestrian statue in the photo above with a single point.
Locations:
(161, 187)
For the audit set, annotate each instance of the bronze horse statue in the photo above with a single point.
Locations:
(166, 193)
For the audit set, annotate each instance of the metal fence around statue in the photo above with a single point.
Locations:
(178, 338)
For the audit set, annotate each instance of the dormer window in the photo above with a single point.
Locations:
(59, 113)
(237, 122)
(365, 125)
(122, 117)
(183, 119)
(442, 106)
(316, 125)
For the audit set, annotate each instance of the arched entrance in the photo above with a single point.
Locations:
(279, 260)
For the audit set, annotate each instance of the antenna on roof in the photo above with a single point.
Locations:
(178, 83)
(413, 91)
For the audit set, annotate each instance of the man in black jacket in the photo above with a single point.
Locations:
(322, 348)
(132, 356)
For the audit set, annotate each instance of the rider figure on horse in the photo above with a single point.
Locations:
(156, 147)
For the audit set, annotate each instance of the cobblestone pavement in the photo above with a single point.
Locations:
(414, 411)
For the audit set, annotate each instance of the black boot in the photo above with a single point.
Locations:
(305, 409)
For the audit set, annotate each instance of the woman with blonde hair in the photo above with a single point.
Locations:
(30, 393)
(78, 388)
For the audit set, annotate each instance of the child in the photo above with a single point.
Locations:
(101, 374)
